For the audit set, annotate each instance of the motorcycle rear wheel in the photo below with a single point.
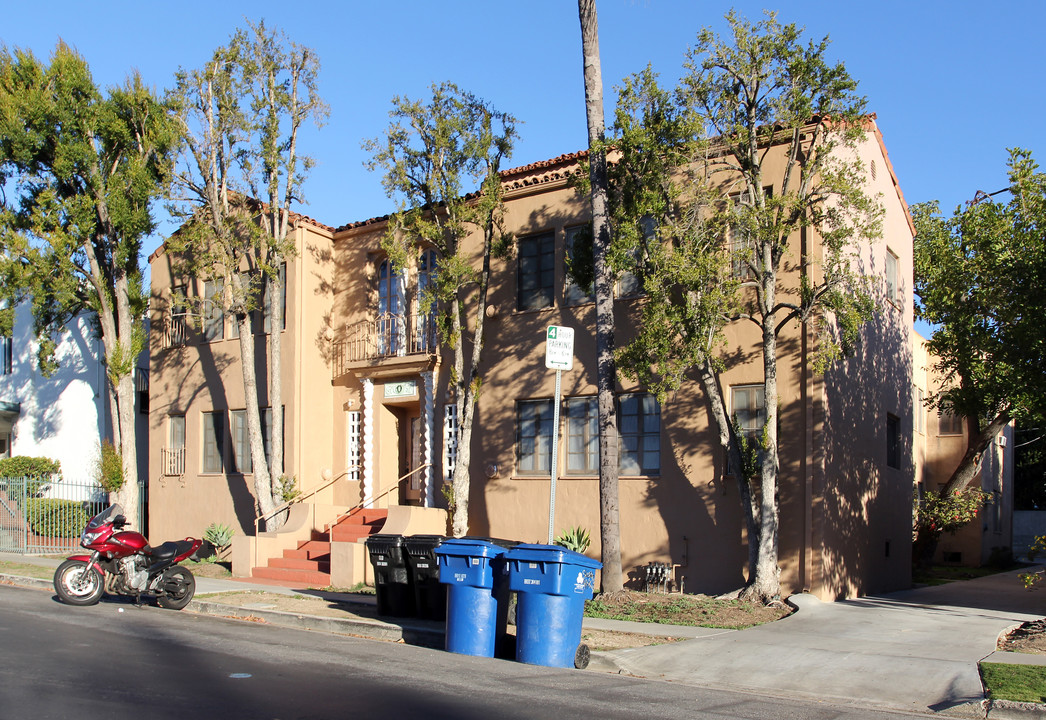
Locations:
(76, 583)
(179, 586)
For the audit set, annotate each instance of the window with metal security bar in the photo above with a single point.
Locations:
(450, 440)
(353, 444)
(173, 456)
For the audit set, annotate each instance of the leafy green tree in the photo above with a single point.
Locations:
(693, 172)
(83, 168)
(428, 155)
(606, 371)
(977, 276)
(240, 116)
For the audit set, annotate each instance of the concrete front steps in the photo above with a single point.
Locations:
(310, 563)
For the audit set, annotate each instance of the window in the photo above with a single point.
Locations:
(639, 422)
(535, 271)
(6, 355)
(353, 444)
(450, 440)
(746, 402)
(141, 387)
(582, 436)
(426, 321)
(893, 293)
(213, 442)
(893, 441)
(948, 423)
(213, 316)
(573, 294)
(173, 457)
(266, 315)
(391, 299)
(241, 442)
(919, 410)
(741, 235)
(240, 435)
(534, 437)
(630, 283)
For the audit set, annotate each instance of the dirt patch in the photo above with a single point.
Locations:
(1028, 638)
(678, 609)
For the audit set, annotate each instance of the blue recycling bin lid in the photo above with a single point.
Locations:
(551, 554)
(469, 547)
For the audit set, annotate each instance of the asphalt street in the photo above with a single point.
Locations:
(115, 659)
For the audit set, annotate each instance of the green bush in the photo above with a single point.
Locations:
(34, 467)
(110, 468)
(56, 518)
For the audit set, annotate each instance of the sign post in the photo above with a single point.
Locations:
(559, 356)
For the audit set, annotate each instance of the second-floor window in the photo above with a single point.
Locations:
(6, 355)
(948, 423)
(213, 311)
(573, 294)
(893, 441)
(893, 293)
(535, 271)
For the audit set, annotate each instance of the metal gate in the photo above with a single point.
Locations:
(42, 516)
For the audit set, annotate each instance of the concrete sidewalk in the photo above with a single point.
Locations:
(915, 651)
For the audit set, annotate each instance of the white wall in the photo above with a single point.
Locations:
(64, 416)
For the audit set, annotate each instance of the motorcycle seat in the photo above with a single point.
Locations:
(170, 549)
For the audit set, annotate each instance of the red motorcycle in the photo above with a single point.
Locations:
(123, 563)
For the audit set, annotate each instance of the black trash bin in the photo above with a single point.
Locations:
(392, 577)
(430, 596)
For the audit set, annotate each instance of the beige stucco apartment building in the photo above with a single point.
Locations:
(368, 420)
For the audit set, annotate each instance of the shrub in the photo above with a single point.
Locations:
(25, 467)
(110, 468)
(940, 513)
(56, 518)
(219, 535)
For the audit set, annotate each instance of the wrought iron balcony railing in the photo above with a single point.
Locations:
(387, 335)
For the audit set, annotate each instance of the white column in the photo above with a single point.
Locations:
(428, 418)
(368, 442)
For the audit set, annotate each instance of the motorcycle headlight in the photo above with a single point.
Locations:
(89, 537)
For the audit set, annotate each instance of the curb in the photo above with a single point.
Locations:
(373, 629)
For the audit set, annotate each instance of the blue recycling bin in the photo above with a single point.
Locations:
(552, 585)
(474, 572)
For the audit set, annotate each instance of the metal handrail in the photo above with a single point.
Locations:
(362, 505)
(347, 513)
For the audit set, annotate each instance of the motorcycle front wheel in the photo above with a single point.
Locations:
(179, 586)
(78, 584)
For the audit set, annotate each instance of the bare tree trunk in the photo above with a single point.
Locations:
(460, 483)
(275, 460)
(766, 583)
(262, 480)
(606, 372)
(980, 440)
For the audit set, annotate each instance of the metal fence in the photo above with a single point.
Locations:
(42, 516)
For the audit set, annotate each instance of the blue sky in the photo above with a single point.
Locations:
(953, 83)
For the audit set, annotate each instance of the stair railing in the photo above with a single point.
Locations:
(370, 501)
